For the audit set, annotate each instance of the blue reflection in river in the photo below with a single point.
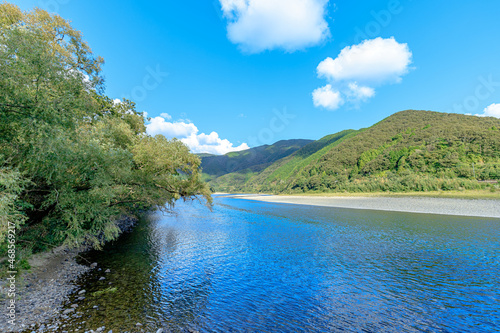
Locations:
(250, 266)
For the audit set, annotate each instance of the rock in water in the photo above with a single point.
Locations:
(68, 311)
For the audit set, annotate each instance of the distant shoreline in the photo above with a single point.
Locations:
(429, 205)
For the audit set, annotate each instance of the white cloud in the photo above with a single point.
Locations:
(231, 7)
(158, 125)
(189, 134)
(492, 110)
(359, 68)
(166, 115)
(360, 93)
(327, 97)
(258, 25)
(211, 143)
(375, 60)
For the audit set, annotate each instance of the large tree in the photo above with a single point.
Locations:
(72, 161)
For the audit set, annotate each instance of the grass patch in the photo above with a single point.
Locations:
(108, 290)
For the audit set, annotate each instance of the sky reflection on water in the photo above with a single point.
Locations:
(250, 266)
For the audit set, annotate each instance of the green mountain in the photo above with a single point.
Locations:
(408, 151)
(250, 160)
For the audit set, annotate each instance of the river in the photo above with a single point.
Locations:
(249, 266)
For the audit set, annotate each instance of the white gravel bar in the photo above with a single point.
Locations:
(429, 205)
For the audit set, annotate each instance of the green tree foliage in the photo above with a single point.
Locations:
(72, 161)
(275, 176)
(12, 185)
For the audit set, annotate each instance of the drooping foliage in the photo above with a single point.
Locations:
(72, 160)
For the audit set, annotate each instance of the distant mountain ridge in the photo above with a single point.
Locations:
(255, 159)
(407, 151)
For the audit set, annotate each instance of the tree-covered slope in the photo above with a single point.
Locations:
(287, 168)
(260, 180)
(255, 159)
(408, 151)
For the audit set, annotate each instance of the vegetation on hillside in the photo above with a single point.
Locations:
(408, 151)
(72, 161)
(251, 160)
(277, 172)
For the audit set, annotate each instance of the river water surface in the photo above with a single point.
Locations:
(259, 267)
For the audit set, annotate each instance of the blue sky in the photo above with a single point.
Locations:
(226, 74)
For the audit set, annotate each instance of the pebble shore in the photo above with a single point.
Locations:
(42, 291)
(428, 205)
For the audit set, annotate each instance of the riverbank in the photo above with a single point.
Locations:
(42, 290)
(410, 204)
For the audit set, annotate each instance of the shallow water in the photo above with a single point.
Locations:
(250, 266)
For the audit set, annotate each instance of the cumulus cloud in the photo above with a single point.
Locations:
(189, 134)
(374, 60)
(360, 93)
(492, 110)
(211, 143)
(258, 25)
(180, 129)
(359, 68)
(327, 97)
(165, 116)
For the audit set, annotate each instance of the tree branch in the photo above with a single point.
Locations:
(123, 202)
(15, 106)
(170, 191)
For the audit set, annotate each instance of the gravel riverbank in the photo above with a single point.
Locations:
(42, 291)
(429, 205)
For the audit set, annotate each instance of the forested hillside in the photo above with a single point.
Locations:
(255, 159)
(408, 151)
(72, 161)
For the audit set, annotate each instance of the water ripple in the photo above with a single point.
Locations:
(257, 267)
